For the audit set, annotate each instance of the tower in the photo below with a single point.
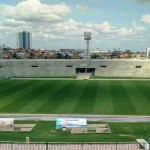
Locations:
(87, 37)
(24, 40)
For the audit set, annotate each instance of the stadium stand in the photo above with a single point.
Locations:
(70, 68)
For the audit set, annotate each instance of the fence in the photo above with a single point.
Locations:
(68, 146)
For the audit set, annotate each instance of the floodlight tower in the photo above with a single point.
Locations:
(87, 37)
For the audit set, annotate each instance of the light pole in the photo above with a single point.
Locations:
(87, 37)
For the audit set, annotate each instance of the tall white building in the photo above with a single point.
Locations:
(148, 53)
(24, 40)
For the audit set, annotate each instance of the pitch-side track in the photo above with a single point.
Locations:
(102, 118)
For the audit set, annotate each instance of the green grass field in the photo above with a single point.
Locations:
(45, 132)
(75, 97)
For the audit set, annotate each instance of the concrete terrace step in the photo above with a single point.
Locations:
(83, 76)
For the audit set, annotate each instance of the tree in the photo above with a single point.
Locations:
(66, 56)
(114, 54)
(59, 56)
(128, 52)
(14, 55)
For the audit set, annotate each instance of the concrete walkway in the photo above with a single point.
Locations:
(101, 118)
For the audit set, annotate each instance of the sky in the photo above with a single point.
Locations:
(57, 24)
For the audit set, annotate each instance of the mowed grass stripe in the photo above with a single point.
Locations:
(103, 102)
(71, 96)
(38, 100)
(140, 103)
(143, 88)
(62, 95)
(144, 95)
(121, 101)
(55, 98)
(147, 84)
(86, 102)
(14, 93)
(7, 87)
(72, 99)
(20, 97)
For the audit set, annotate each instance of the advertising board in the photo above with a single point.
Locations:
(6, 122)
(70, 122)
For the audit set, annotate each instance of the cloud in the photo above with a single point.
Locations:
(106, 28)
(4, 28)
(145, 19)
(34, 11)
(136, 28)
(52, 22)
(82, 9)
(72, 28)
(130, 32)
(143, 1)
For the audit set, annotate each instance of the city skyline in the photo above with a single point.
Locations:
(59, 24)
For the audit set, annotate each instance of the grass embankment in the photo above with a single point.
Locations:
(75, 97)
(45, 132)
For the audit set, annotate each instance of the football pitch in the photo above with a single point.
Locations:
(109, 97)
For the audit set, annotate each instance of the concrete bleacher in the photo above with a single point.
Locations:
(67, 68)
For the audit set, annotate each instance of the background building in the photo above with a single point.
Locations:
(24, 40)
(148, 53)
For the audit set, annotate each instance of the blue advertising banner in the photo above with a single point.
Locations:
(70, 122)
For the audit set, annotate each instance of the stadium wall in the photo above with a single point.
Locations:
(67, 67)
(69, 146)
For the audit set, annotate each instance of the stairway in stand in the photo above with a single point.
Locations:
(83, 76)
